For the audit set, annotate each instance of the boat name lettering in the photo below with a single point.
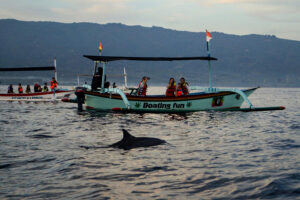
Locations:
(26, 97)
(163, 105)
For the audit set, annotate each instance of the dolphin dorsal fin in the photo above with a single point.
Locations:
(126, 135)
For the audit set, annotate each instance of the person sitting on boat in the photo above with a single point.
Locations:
(45, 88)
(114, 85)
(142, 88)
(20, 89)
(36, 87)
(10, 89)
(106, 84)
(179, 91)
(184, 86)
(28, 90)
(40, 89)
(53, 85)
(97, 79)
(171, 88)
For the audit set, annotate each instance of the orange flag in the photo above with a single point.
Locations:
(100, 47)
(208, 36)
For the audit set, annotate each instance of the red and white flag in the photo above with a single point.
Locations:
(208, 36)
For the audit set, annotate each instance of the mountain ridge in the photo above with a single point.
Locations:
(248, 60)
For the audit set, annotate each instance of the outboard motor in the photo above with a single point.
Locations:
(79, 92)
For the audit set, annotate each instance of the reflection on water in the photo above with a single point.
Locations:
(52, 151)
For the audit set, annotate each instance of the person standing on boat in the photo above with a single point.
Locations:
(142, 88)
(179, 91)
(45, 88)
(28, 90)
(184, 86)
(97, 79)
(10, 89)
(53, 85)
(20, 89)
(171, 88)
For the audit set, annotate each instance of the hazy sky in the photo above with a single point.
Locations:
(270, 17)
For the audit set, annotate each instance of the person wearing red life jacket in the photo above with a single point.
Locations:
(142, 88)
(179, 90)
(53, 84)
(184, 86)
(20, 89)
(171, 88)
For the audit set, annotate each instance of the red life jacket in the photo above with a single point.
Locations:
(171, 90)
(53, 85)
(185, 90)
(20, 89)
(142, 90)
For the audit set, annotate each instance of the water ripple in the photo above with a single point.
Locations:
(50, 151)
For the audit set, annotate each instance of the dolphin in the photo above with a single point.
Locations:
(130, 142)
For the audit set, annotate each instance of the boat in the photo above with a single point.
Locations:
(218, 99)
(210, 98)
(36, 96)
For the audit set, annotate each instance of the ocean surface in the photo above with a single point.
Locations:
(50, 151)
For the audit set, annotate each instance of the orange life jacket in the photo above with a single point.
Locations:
(53, 85)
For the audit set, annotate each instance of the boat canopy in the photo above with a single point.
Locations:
(114, 58)
(47, 68)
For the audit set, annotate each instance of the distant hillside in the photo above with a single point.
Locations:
(248, 60)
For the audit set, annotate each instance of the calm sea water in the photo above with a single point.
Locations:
(208, 155)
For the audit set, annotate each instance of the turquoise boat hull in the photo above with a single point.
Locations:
(161, 104)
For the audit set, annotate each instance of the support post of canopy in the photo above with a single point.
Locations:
(77, 79)
(55, 72)
(103, 76)
(125, 78)
(209, 66)
(95, 67)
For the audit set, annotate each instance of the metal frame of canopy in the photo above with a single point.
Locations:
(105, 59)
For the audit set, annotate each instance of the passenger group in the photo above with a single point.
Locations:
(181, 89)
(36, 87)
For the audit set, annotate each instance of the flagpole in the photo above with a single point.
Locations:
(209, 68)
(104, 67)
(209, 65)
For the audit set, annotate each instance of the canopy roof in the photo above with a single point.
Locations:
(114, 58)
(47, 68)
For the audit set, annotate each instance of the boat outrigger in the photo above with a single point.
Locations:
(36, 96)
(114, 99)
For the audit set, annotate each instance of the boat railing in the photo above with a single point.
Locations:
(235, 90)
(87, 86)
